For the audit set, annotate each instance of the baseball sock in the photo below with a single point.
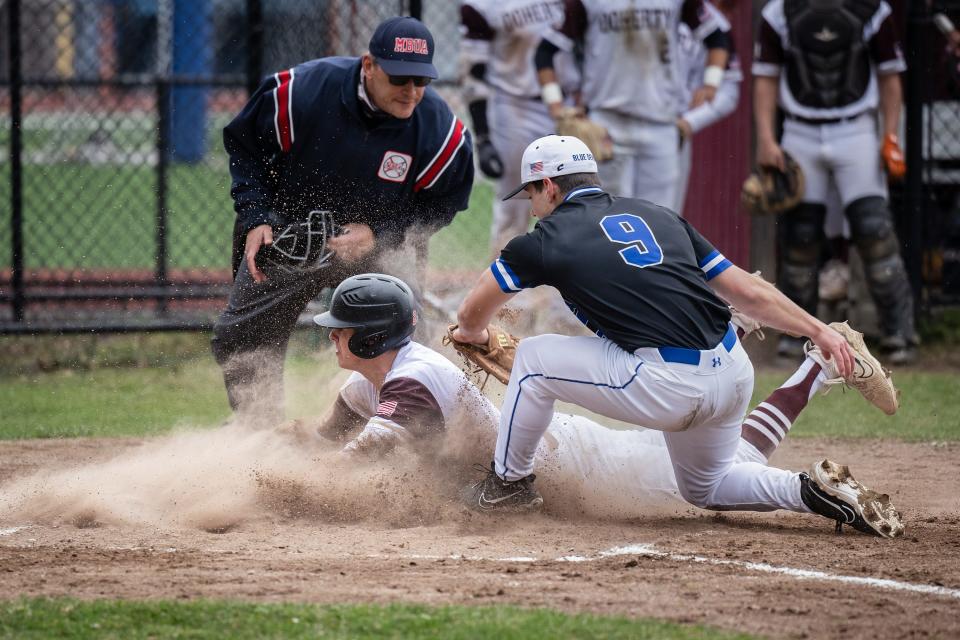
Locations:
(770, 421)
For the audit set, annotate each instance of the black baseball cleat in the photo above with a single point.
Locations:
(495, 494)
(831, 491)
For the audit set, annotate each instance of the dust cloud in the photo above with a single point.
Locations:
(217, 479)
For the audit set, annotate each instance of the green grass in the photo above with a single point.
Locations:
(102, 619)
(143, 401)
(929, 405)
(107, 387)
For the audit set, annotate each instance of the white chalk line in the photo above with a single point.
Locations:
(651, 551)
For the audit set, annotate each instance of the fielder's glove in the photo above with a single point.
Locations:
(494, 358)
(769, 191)
(573, 122)
(490, 163)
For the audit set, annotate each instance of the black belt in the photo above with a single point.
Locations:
(821, 121)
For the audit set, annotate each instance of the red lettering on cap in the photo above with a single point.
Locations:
(411, 45)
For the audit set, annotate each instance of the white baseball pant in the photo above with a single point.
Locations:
(844, 154)
(645, 155)
(684, 165)
(609, 472)
(698, 406)
(514, 123)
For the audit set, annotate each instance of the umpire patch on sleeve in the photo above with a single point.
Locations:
(394, 166)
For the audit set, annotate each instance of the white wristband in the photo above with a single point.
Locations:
(551, 93)
(713, 76)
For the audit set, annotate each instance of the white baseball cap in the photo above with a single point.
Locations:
(552, 156)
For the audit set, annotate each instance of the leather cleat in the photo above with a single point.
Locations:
(495, 494)
(831, 491)
(869, 377)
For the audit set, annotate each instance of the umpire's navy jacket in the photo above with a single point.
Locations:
(305, 141)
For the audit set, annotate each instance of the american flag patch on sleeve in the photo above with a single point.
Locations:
(386, 408)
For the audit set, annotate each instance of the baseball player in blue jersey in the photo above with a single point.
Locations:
(664, 356)
(405, 397)
(332, 161)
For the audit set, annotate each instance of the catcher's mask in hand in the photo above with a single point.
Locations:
(301, 247)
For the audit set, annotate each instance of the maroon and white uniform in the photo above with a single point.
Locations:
(634, 84)
(832, 137)
(605, 471)
(502, 35)
(422, 396)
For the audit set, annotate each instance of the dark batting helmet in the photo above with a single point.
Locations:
(378, 306)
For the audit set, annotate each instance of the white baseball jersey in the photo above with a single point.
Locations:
(885, 56)
(591, 468)
(504, 34)
(615, 472)
(692, 59)
(631, 65)
(423, 394)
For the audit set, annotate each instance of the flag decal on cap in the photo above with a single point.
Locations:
(536, 167)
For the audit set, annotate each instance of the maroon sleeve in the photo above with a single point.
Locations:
(574, 20)
(769, 49)
(411, 405)
(885, 44)
(477, 26)
(340, 420)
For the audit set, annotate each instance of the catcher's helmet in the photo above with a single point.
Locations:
(378, 306)
(769, 191)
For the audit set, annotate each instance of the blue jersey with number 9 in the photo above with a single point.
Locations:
(632, 271)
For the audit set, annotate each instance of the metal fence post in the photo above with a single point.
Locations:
(915, 98)
(16, 159)
(164, 105)
(416, 9)
(254, 44)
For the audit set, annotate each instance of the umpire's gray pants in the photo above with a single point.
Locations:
(250, 336)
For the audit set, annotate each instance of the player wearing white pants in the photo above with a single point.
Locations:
(832, 66)
(499, 38)
(664, 356)
(645, 388)
(633, 83)
(513, 122)
(405, 395)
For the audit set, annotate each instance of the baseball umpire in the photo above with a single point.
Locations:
(664, 356)
(332, 161)
(632, 82)
(831, 64)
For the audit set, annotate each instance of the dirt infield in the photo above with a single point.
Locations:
(781, 575)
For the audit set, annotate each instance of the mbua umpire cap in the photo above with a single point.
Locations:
(378, 306)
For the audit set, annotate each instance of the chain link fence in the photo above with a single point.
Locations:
(111, 158)
(935, 97)
(116, 212)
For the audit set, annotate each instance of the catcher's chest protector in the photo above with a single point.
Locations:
(827, 61)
